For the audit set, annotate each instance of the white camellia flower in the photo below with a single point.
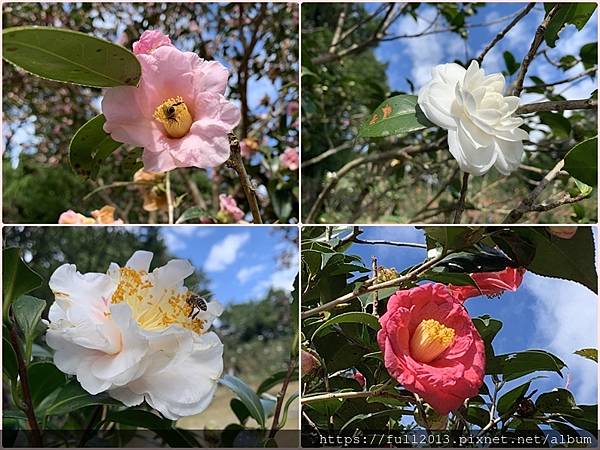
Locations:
(129, 332)
(482, 131)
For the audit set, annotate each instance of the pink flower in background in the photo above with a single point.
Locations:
(106, 216)
(490, 283)
(149, 41)
(289, 158)
(431, 346)
(177, 113)
(563, 232)
(248, 147)
(229, 207)
(292, 108)
(70, 217)
(308, 362)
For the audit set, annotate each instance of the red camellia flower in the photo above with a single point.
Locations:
(490, 283)
(431, 346)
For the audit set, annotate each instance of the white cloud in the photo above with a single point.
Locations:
(565, 320)
(246, 273)
(225, 252)
(175, 237)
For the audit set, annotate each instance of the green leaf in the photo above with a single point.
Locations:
(557, 401)
(73, 397)
(247, 396)
(90, 146)
(582, 161)
(162, 427)
(17, 277)
(44, 378)
(559, 124)
(69, 56)
(589, 54)
(455, 238)
(477, 416)
(272, 381)
(28, 312)
(455, 279)
(575, 13)
(286, 408)
(192, 213)
(511, 64)
(350, 317)
(516, 365)
(396, 115)
(9, 360)
(487, 327)
(240, 410)
(567, 61)
(569, 259)
(508, 400)
(282, 203)
(589, 353)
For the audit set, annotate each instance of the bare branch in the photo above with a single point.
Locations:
(561, 105)
(326, 154)
(502, 33)
(566, 80)
(384, 242)
(460, 207)
(537, 40)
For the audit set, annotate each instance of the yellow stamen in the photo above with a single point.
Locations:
(152, 308)
(174, 116)
(429, 340)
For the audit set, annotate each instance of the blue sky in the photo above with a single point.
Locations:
(544, 313)
(413, 58)
(241, 262)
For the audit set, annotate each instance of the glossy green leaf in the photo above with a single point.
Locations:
(286, 408)
(28, 311)
(69, 56)
(487, 327)
(44, 378)
(589, 55)
(518, 364)
(192, 213)
(589, 353)
(272, 381)
(477, 416)
(511, 64)
(73, 397)
(509, 401)
(350, 317)
(17, 277)
(396, 115)
(559, 124)
(90, 146)
(247, 396)
(557, 401)
(240, 410)
(582, 161)
(455, 238)
(441, 276)
(574, 13)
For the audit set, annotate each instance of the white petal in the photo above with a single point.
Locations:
(72, 287)
(478, 159)
(126, 396)
(509, 156)
(436, 103)
(140, 261)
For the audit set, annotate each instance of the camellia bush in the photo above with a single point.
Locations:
(526, 148)
(157, 124)
(393, 353)
(115, 357)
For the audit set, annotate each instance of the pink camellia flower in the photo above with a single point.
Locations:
(431, 346)
(177, 113)
(289, 158)
(71, 217)
(292, 108)
(248, 147)
(359, 378)
(149, 41)
(491, 284)
(229, 207)
(563, 232)
(308, 363)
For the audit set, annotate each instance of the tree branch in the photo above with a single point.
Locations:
(560, 105)
(280, 398)
(566, 80)
(502, 33)
(391, 283)
(326, 154)
(537, 40)
(460, 207)
(36, 434)
(236, 162)
(383, 242)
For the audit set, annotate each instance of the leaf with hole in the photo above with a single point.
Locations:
(70, 57)
(90, 146)
(397, 115)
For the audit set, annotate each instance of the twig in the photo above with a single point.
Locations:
(85, 436)
(346, 395)
(395, 282)
(566, 200)
(384, 242)
(436, 196)
(528, 202)
(501, 35)
(281, 397)
(169, 198)
(196, 195)
(236, 162)
(117, 184)
(560, 105)
(375, 293)
(326, 154)
(461, 201)
(566, 80)
(537, 40)
(36, 434)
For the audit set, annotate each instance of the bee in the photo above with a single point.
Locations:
(198, 305)
(171, 111)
